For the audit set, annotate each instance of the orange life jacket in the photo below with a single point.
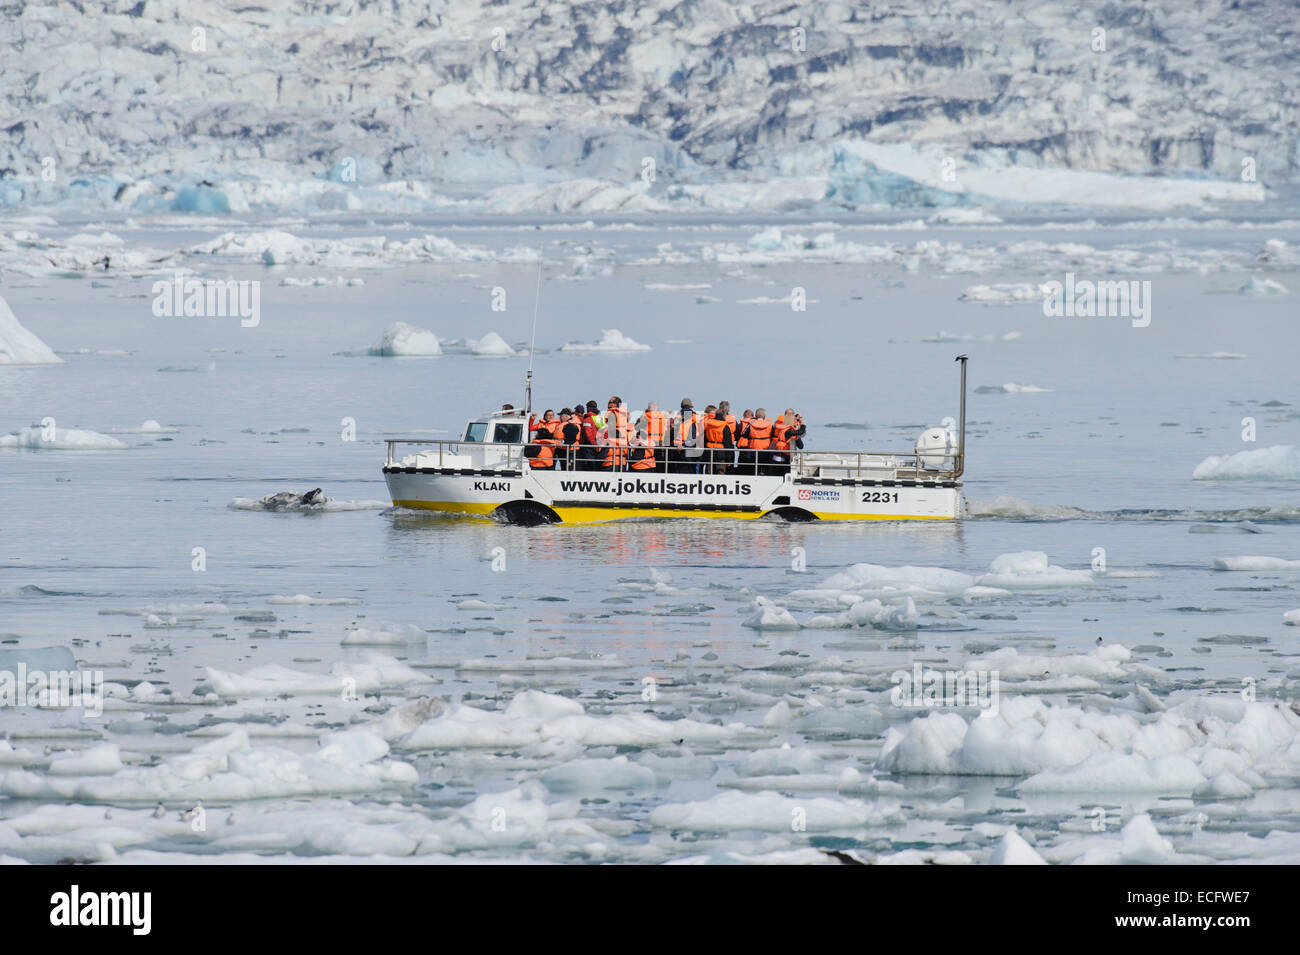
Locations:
(760, 434)
(656, 426)
(546, 438)
(617, 423)
(742, 433)
(615, 453)
(685, 429)
(646, 462)
(779, 443)
(713, 429)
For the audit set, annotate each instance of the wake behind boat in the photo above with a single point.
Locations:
(494, 470)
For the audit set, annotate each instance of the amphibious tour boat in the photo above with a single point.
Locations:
(490, 472)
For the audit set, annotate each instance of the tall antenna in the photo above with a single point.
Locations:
(537, 301)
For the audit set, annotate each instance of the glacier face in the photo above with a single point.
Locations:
(226, 106)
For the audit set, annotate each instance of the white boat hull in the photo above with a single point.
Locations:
(583, 496)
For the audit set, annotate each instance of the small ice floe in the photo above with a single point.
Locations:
(673, 287)
(1003, 293)
(231, 768)
(1227, 527)
(1027, 570)
(1292, 618)
(373, 672)
(18, 346)
(305, 601)
(1279, 462)
(389, 637)
(1257, 287)
(1253, 562)
(533, 717)
(401, 340)
(1072, 749)
(769, 616)
(611, 340)
(1225, 355)
(964, 215)
(147, 427)
(772, 812)
(490, 345)
(59, 439)
(1014, 850)
(942, 337)
(1011, 388)
(322, 281)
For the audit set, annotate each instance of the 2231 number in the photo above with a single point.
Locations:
(879, 497)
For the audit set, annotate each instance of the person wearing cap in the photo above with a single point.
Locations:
(687, 439)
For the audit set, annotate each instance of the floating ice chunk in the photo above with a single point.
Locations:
(963, 215)
(102, 760)
(1281, 462)
(777, 762)
(1216, 354)
(1225, 785)
(228, 768)
(1002, 293)
(18, 346)
(535, 717)
(477, 605)
(771, 812)
(1251, 562)
(1013, 850)
(878, 579)
(1141, 844)
(1292, 618)
(611, 340)
(1011, 388)
(1119, 772)
(595, 775)
(305, 600)
(321, 281)
(403, 340)
(59, 439)
(374, 672)
(391, 637)
(1028, 570)
(490, 345)
(769, 616)
(1262, 288)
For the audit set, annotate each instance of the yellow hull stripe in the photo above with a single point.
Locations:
(591, 515)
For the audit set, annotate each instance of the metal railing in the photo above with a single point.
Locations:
(859, 465)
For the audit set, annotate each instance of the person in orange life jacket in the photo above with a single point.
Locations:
(590, 454)
(787, 435)
(724, 408)
(758, 434)
(566, 432)
(612, 436)
(744, 458)
(687, 439)
(641, 457)
(544, 441)
(548, 421)
(654, 423)
(717, 438)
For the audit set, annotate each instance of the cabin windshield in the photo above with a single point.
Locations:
(509, 434)
(476, 431)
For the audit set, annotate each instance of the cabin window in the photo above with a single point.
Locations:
(509, 434)
(476, 431)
